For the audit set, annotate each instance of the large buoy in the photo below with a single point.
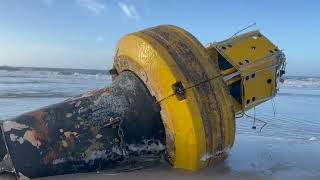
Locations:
(171, 98)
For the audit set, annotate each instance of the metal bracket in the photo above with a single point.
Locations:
(179, 90)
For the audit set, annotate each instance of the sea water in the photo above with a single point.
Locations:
(292, 114)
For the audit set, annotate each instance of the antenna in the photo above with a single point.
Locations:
(251, 25)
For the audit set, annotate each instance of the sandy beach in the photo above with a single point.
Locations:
(287, 147)
(251, 158)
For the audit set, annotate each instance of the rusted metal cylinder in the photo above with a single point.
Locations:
(95, 130)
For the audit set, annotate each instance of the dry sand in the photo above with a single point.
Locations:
(250, 158)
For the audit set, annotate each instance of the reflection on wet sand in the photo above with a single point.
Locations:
(251, 158)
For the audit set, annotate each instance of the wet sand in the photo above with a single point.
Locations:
(251, 158)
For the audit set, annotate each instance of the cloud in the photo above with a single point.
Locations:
(48, 2)
(99, 39)
(95, 6)
(129, 10)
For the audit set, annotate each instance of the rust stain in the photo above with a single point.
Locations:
(31, 137)
(90, 93)
(70, 134)
(106, 91)
(41, 130)
(50, 156)
(64, 143)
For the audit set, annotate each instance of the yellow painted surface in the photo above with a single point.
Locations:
(181, 122)
(246, 50)
(200, 124)
(257, 89)
(256, 59)
(198, 127)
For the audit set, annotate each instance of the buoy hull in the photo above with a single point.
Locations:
(98, 129)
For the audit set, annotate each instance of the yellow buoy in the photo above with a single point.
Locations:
(170, 94)
(200, 89)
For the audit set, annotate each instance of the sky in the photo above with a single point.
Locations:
(84, 33)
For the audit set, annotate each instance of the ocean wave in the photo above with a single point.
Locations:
(8, 82)
(37, 75)
(50, 72)
(27, 74)
(301, 82)
(35, 95)
(67, 95)
(298, 94)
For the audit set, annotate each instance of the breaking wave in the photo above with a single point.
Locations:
(36, 95)
(298, 94)
(301, 82)
(47, 72)
(56, 73)
(62, 83)
(49, 83)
